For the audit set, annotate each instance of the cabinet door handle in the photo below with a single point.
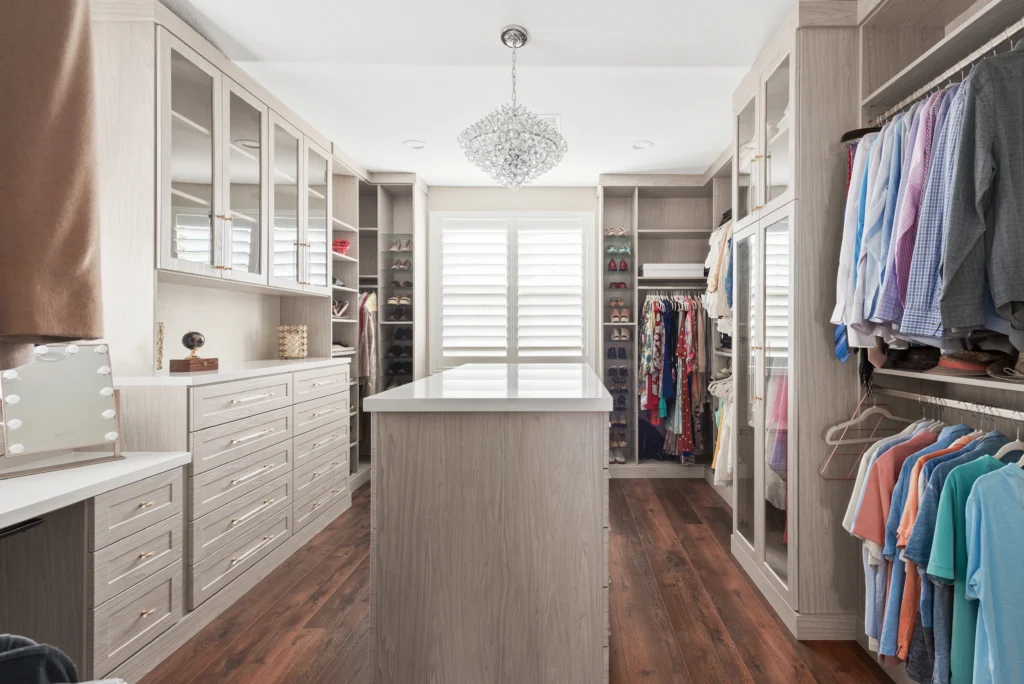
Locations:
(266, 502)
(755, 347)
(147, 613)
(255, 473)
(252, 398)
(754, 397)
(254, 435)
(146, 554)
(303, 244)
(146, 504)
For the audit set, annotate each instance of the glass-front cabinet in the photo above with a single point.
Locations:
(762, 345)
(316, 252)
(245, 198)
(285, 221)
(763, 138)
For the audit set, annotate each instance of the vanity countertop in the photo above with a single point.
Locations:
(228, 371)
(499, 387)
(22, 498)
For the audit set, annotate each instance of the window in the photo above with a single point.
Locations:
(508, 288)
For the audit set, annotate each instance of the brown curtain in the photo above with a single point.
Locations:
(49, 211)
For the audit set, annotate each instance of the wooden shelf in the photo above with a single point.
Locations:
(343, 257)
(341, 225)
(189, 122)
(724, 352)
(344, 320)
(620, 324)
(673, 279)
(910, 13)
(314, 193)
(396, 323)
(676, 233)
(972, 381)
(340, 288)
(987, 23)
(244, 152)
(191, 198)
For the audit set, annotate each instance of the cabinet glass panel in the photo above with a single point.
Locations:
(745, 363)
(316, 218)
(746, 154)
(243, 179)
(192, 223)
(285, 235)
(776, 395)
(777, 127)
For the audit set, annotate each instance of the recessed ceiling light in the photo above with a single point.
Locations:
(414, 144)
(642, 144)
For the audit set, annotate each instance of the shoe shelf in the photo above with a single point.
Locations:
(396, 298)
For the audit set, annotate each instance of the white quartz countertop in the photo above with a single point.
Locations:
(548, 387)
(228, 371)
(22, 498)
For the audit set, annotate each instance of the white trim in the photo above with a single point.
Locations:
(590, 327)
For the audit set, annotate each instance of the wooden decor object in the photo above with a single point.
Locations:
(292, 341)
(193, 364)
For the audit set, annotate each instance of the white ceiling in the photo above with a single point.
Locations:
(370, 75)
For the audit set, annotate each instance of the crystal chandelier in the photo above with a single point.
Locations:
(512, 144)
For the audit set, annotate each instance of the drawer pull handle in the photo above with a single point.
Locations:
(146, 554)
(147, 613)
(332, 381)
(146, 504)
(318, 504)
(253, 436)
(324, 413)
(255, 473)
(253, 398)
(320, 444)
(266, 502)
(253, 550)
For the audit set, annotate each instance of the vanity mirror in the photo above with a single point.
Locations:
(58, 411)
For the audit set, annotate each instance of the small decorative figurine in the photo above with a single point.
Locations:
(193, 341)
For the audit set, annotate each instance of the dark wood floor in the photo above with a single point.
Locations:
(682, 610)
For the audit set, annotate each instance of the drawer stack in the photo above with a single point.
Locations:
(267, 455)
(135, 562)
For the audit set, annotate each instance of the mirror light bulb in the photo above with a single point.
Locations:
(71, 349)
(101, 349)
(16, 448)
(13, 424)
(11, 375)
(108, 414)
(110, 436)
(42, 349)
(103, 370)
(12, 398)
(107, 392)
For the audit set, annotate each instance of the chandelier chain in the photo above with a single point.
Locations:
(513, 76)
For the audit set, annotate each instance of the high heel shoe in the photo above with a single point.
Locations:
(610, 249)
(624, 316)
(625, 249)
(623, 266)
(612, 266)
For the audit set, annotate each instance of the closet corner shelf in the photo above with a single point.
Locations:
(341, 288)
(344, 320)
(344, 257)
(619, 324)
(674, 232)
(341, 225)
(973, 381)
(396, 322)
(672, 279)
(724, 352)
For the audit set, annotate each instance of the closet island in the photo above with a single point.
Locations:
(489, 526)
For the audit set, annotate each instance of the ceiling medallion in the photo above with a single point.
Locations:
(512, 144)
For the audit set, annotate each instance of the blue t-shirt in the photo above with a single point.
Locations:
(995, 556)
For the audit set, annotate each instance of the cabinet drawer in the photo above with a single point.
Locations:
(319, 500)
(234, 520)
(134, 618)
(224, 443)
(129, 509)
(221, 486)
(217, 570)
(318, 471)
(319, 441)
(124, 564)
(310, 415)
(225, 402)
(313, 384)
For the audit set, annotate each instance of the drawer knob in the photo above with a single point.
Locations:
(254, 435)
(146, 554)
(253, 398)
(147, 613)
(146, 504)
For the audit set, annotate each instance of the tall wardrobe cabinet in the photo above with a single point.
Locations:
(789, 182)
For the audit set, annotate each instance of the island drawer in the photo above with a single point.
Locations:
(310, 415)
(220, 486)
(319, 441)
(126, 510)
(123, 564)
(320, 382)
(313, 474)
(224, 402)
(320, 499)
(234, 520)
(217, 570)
(129, 621)
(222, 444)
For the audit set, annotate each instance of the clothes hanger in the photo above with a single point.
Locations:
(832, 440)
(1015, 445)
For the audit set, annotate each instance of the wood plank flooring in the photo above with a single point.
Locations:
(682, 610)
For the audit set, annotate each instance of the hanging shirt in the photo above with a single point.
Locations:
(995, 514)
(984, 245)
(921, 316)
(949, 561)
(877, 245)
(851, 227)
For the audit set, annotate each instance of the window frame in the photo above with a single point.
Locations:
(590, 287)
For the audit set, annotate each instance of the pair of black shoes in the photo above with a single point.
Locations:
(400, 368)
(398, 351)
(402, 334)
(616, 352)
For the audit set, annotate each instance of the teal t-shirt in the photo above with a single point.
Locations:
(948, 561)
(995, 556)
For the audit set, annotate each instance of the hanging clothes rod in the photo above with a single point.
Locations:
(970, 407)
(946, 77)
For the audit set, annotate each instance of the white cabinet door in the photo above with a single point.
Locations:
(286, 208)
(315, 245)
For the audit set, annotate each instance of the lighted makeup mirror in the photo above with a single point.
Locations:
(58, 411)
